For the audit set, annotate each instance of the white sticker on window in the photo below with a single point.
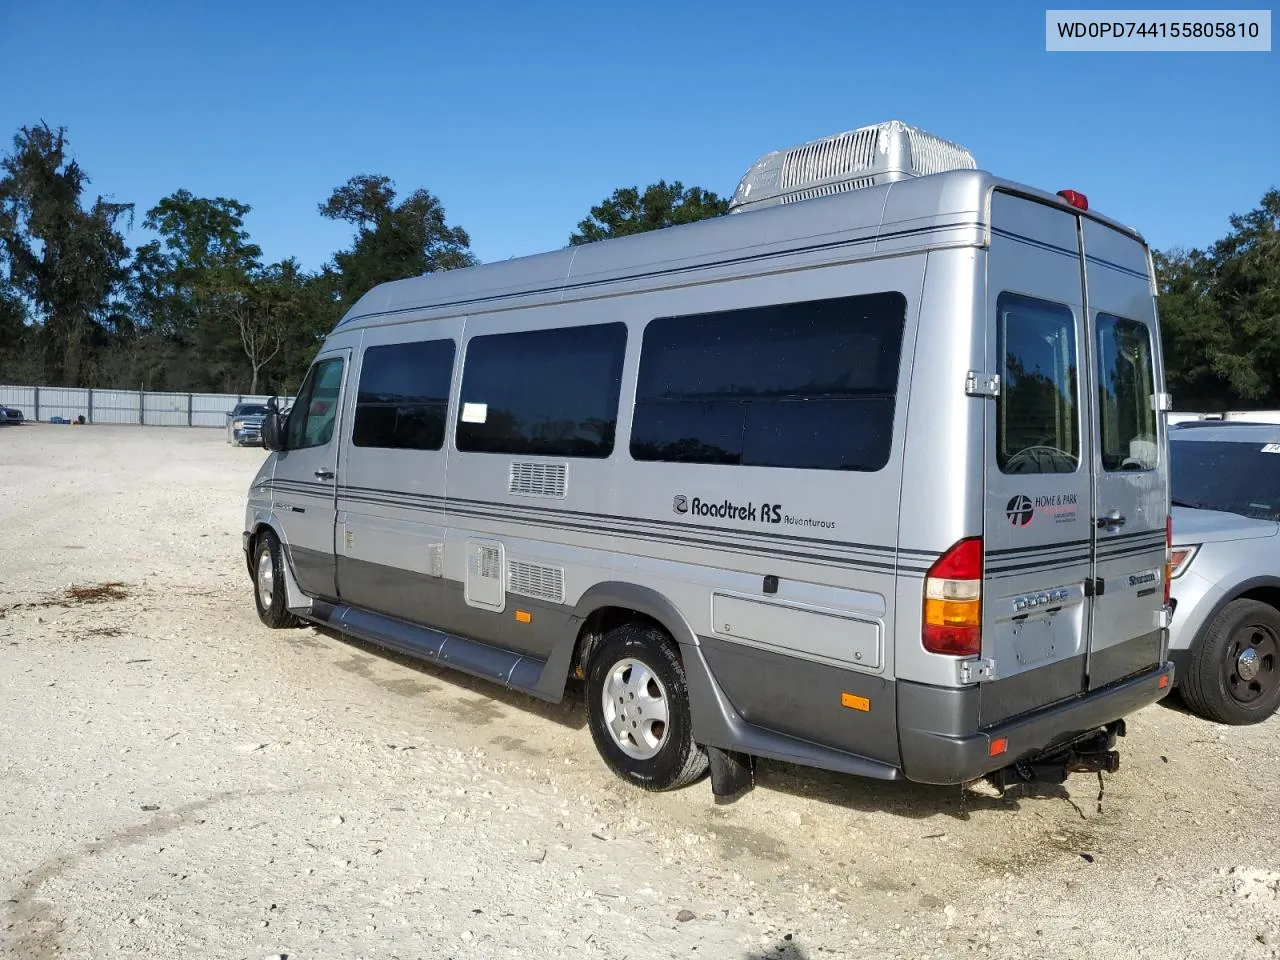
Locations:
(1271, 448)
(475, 412)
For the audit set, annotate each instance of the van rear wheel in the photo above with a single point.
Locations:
(268, 582)
(638, 709)
(1234, 671)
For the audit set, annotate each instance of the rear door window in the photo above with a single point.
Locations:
(1126, 385)
(1037, 415)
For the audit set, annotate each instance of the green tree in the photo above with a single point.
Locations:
(393, 240)
(68, 264)
(662, 204)
(1220, 314)
(197, 285)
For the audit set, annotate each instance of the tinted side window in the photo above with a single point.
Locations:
(404, 395)
(1126, 384)
(551, 393)
(804, 385)
(316, 409)
(1037, 414)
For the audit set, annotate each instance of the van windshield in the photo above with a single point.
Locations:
(1231, 476)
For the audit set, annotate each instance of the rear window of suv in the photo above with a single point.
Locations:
(1228, 475)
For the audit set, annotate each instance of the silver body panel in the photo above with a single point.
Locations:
(457, 545)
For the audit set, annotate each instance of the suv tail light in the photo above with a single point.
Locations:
(1168, 557)
(953, 601)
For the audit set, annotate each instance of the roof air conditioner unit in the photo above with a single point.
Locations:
(858, 158)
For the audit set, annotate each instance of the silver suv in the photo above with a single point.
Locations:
(1225, 635)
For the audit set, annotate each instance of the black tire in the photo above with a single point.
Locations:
(1233, 673)
(271, 610)
(678, 761)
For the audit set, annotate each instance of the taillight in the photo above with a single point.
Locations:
(953, 601)
(1168, 557)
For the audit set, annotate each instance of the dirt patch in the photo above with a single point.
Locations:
(95, 593)
(74, 596)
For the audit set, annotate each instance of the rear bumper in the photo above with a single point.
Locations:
(930, 754)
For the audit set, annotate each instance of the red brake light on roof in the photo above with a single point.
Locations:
(1075, 198)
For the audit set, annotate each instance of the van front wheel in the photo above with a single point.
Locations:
(638, 709)
(268, 582)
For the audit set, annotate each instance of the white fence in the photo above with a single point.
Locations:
(127, 406)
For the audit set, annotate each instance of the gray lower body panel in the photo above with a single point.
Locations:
(942, 742)
(419, 598)
(313, 569)
(1114, 663)
(1031, 689)
(717, 721)
(803, 699)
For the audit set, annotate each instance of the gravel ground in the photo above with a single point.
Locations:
(178, 781)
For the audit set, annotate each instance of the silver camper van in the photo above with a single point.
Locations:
(869, 474)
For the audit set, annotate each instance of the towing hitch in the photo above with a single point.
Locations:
(1093, 753)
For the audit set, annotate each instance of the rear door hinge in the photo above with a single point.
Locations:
(1162, 401)
(982, 384)
(975, 671)
(1094, 586)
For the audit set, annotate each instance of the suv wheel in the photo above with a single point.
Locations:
(1234, 671)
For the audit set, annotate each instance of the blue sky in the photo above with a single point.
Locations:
(521, 116)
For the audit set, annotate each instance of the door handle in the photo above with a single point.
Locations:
(1111, 521)
(328, 475)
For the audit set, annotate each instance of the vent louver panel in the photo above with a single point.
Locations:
(529, 479)
(536, 580)
(823, 159)
(826, 191)
(485, 586)
(486, 563)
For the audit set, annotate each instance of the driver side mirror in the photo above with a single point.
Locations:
(273, 427)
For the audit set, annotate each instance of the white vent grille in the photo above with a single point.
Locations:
(485, 569)
(536, 580)
(837, 156)
(435, 559)
(485, 563)
(860, 158)
(826, 191)
(930, 154)
(529, 479)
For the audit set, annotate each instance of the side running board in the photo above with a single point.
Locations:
(513, 670)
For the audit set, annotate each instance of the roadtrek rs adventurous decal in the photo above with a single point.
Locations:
(745, 512)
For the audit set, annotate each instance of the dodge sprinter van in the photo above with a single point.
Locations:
(869, 474)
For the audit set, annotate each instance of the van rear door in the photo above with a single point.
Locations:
(1037, 527)
(1130, 465)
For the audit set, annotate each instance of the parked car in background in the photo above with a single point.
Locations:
(244, 424)
(10, 415)
(1225, 634)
